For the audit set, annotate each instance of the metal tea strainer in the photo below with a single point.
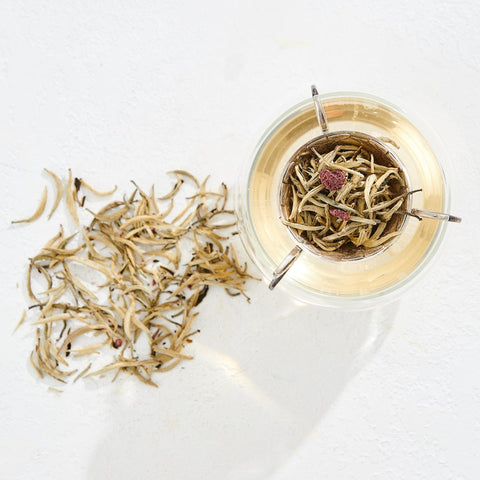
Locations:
(384, 155)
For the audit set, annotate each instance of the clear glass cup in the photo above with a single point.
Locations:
(316, 280)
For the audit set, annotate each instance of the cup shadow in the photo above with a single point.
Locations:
(256, 389)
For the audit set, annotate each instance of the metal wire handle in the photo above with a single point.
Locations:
(283, 268)
(435, 215)
(322, 118)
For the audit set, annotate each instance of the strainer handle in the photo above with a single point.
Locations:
(283, 268)
(321, 117)
(435, 215)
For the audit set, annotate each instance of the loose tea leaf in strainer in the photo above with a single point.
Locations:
(340, 194)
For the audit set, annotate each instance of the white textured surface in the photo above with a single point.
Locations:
(129, 89)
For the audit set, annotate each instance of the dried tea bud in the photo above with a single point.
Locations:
(341, 214)
(333, 179)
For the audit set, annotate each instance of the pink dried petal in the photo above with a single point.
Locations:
(341, 214)
(333, 179)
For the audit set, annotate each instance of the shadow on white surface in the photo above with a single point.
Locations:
(257, 387)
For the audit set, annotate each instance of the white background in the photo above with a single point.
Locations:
(130, 89)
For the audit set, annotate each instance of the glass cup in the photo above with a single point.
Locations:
(315, 278)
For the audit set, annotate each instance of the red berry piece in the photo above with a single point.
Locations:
(333, 179)
(341, 214)
(117, 343)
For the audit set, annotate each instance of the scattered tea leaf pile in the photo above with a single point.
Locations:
(131, 280)
(343, 198)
